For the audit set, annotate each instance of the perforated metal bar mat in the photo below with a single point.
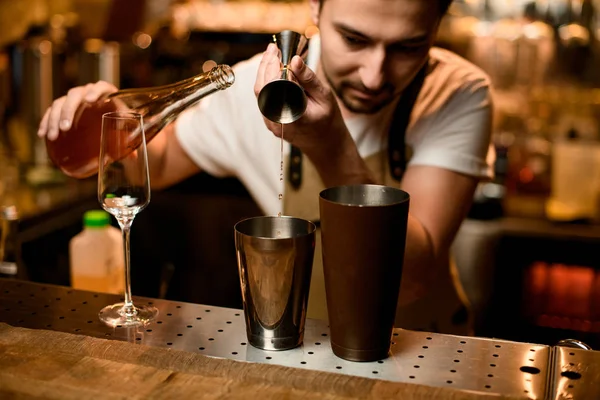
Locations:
(474, 364)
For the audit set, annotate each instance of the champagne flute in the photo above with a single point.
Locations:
(124, 191)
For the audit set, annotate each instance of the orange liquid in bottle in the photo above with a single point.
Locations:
(76, 151)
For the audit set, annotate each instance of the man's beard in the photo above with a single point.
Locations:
(384, 97)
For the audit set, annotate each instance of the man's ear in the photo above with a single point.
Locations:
(315, 9)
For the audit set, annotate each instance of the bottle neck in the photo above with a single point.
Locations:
(192, 90)
(160, 106)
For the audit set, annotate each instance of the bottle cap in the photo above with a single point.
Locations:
(8, 269)
(96, 219)
(9, 213)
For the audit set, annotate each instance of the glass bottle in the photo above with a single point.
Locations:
(75, 152)
(9, 246)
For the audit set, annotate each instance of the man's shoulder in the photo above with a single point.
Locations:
(452, 81)
(450, 69)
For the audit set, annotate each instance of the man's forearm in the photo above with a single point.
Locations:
(420, 264)
(168, 162)
(157, 150)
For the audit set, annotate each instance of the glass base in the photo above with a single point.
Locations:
(115, 315)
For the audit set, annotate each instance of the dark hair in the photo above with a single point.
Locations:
(444, 5)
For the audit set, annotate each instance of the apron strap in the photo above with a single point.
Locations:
(396, 138)
(400, 121)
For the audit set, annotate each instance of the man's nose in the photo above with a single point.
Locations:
(372, 72)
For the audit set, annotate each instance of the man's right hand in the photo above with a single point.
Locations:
(60, 114)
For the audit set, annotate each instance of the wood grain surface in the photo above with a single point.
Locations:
(45, 364)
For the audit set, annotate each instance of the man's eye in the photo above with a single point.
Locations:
(352, 41)
(408, 49)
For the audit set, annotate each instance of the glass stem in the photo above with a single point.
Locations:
(128, 308)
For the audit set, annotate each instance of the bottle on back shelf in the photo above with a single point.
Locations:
(96, 255)
(9, 245)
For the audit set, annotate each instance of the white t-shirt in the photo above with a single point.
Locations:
(450, 128)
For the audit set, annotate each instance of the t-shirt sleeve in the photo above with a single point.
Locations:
(458, 136)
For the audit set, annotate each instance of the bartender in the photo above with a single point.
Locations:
(384, 106)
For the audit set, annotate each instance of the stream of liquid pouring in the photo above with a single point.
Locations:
(281, 183)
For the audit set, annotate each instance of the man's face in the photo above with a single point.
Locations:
(372, 49)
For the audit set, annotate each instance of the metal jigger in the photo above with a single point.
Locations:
(283, 100)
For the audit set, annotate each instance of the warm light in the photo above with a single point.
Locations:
(526, 175)
(45, 47)
(142, 40)
(3, 61)
(562, 296)
(575, 33)
(537, 30)
(208, 65)
(57, 21)
(93, 45)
